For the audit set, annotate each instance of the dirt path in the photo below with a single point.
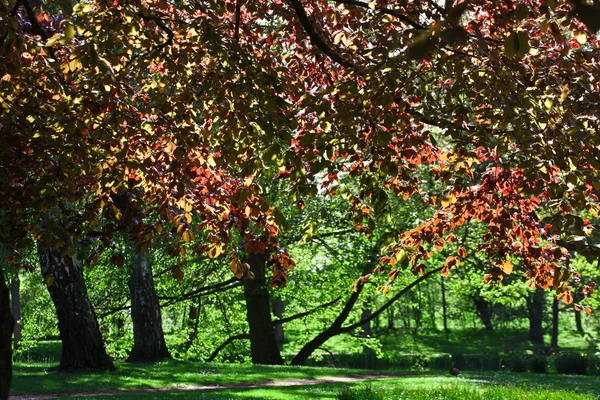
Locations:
(249, 385)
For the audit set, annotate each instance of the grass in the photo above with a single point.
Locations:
(485, 386)
(35, 378)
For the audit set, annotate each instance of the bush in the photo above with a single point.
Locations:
(539, 365)
(518, 364)
(571, 364)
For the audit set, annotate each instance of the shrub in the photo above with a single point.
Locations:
(571, 364)
(518, 364)
(539, 364)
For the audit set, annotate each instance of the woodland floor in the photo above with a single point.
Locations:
(246, 385)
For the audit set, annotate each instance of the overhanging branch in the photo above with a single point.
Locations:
(384, 10)
(315, 39)
(389, 303)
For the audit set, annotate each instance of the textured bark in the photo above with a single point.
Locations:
(535, 309)
(82, 345)
(6, 330)
(148, 338)
(554, 340)
(15, 302)
(484, 311)
(263, 346)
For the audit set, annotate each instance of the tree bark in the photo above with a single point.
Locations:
(148, 337)
(263, 346)
(554, 340)
(6, 330)
(82, 345)
(535, 309)
(15, 301)
(484, 311)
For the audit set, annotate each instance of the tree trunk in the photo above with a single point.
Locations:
(444, 308)
(263, 346)
(148, 338)
(366, 327)
(194, 322)
(278, 308)
(15, 297)
(484, 311)
(578, 323)
(535, 309)
(6, 330)
(554, 340)
(82, 345)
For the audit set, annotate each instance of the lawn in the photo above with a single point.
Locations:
(182, 376)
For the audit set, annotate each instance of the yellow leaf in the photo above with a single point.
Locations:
(506, 267)
(236, 268)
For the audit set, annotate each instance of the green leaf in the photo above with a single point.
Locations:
(69, 33)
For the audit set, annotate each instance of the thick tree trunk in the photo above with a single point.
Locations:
(263, 346)
(278, 308)
(6, 330)
(15, 301)
(82, 345)
(535, 309)
(484, 311)
(148, 338)
(554, 340)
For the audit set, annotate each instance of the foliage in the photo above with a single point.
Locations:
(571, 364)
(160, 119)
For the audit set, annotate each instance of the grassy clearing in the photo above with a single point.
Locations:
(35, 378)
(484, 386)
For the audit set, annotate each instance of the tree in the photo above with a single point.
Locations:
(263, 345)
(82, 345)
(148, 338)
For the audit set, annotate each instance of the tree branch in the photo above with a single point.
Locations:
(384, 10)
(226, 343)
(305, 313)
(315, 39)
(389, 303)
(35, 25)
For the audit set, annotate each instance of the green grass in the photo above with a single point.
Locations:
(34, 378)
(484, 386)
